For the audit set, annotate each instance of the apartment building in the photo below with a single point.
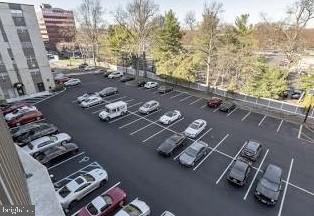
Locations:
(56, 25)
(24, 67)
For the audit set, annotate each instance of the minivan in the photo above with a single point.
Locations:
(113, 110)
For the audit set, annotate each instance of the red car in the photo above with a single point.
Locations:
(12, 107)
(62, 80)
(214, 102)
(25, 118)
(104, 204)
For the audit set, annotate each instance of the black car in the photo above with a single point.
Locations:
(82, 66)
(165, 89)
(270, 185)
(55, 154)
(193, 153)
(251, 150)
(126, 78)
(227, 106)
(141, 83)
(33, 131)
(108, 91)
(170, 144)
(239, 172)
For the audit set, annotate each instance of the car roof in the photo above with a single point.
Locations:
(253, 145)
(273, 173)
(99, 203)
(75, 183)
(198, 145)
(116, 104)
(198, 121)
(140, 204)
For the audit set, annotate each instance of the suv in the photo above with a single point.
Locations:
(270, 185)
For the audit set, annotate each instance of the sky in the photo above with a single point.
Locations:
(275, 9)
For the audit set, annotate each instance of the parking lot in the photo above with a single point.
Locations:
(126, 148)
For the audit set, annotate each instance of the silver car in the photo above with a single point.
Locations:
(149, 107)
(193, 153)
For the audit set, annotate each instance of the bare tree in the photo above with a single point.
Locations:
(90, 18)
(138, 20)
(190, 20)
(208, 35)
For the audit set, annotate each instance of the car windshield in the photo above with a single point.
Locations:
(269, 184)
(170, 114)
(88, 178)
(191, 152)
(107, 199)
(132, 210)
(238, 169)
(92, 209)
(195, 126)
(64, 192)
(146, 105)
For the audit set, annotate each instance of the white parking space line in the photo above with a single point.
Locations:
(210, 129)
(286, 188)
(213, 149)
(215, 110)
(166, 93)
(278, 129)
(162, 130)
(62, 162)
(127, 101)
(135, 104)
(122, 117)
(227, 168)
(300, 131)
(74, 101)
(136, 120)
(177, 95)
(205, 105)
(197, 100)
(301, 189)
(140, 129)
(249, 113)
(185, 98)
(229, 114)
(116, 99)
(257, 171)
(261, 122)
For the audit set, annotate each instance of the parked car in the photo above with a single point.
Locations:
(167, 213)
(150, 85)
(269, 186)
(38, 145)
(20, 131)
(251, 150)
(105, 204)
(25, 118)
(113, 110)
(127, 78)
(91, 101)
(141, 83)
(72, 82)
(81, 186)
(239, 172)
(89, 68)
(85, 96)
(193, 153)
(107, 73)
(83, 65)
(171, 144)
(56, 154)
(108, 91)
(135, 208)
(214, 102)
(149, 107)
(38, 130)
(195, 128)
(100, 71)
(170, 117)
(10, 108)
(227, 106)
(116, 74)
(19, 111)
(165, 89)
(62, 79)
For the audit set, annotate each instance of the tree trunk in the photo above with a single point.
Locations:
(94, 54)
(208, 71)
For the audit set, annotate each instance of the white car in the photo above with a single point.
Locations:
(88, 68)
(115, 74)
(43, 143)
(83, 97)
(135, 208)
(19, 111)
(167, 213)
(150, 85)
(91, 101)
(81, 186)
(149, 107)
(72, 82)
(195, 128)
(170, 117)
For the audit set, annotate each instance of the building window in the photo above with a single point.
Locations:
(23, 35)
(30, 58)
(4, 35)
(14, 6)
(19, 21)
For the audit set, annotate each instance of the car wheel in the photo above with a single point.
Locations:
(63, 142)
(38, 118)
(107, 118)
(121, 203)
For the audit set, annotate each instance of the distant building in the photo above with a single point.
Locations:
(24, 67)
(56, 25)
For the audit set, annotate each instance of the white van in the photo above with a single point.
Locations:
(113, 110)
